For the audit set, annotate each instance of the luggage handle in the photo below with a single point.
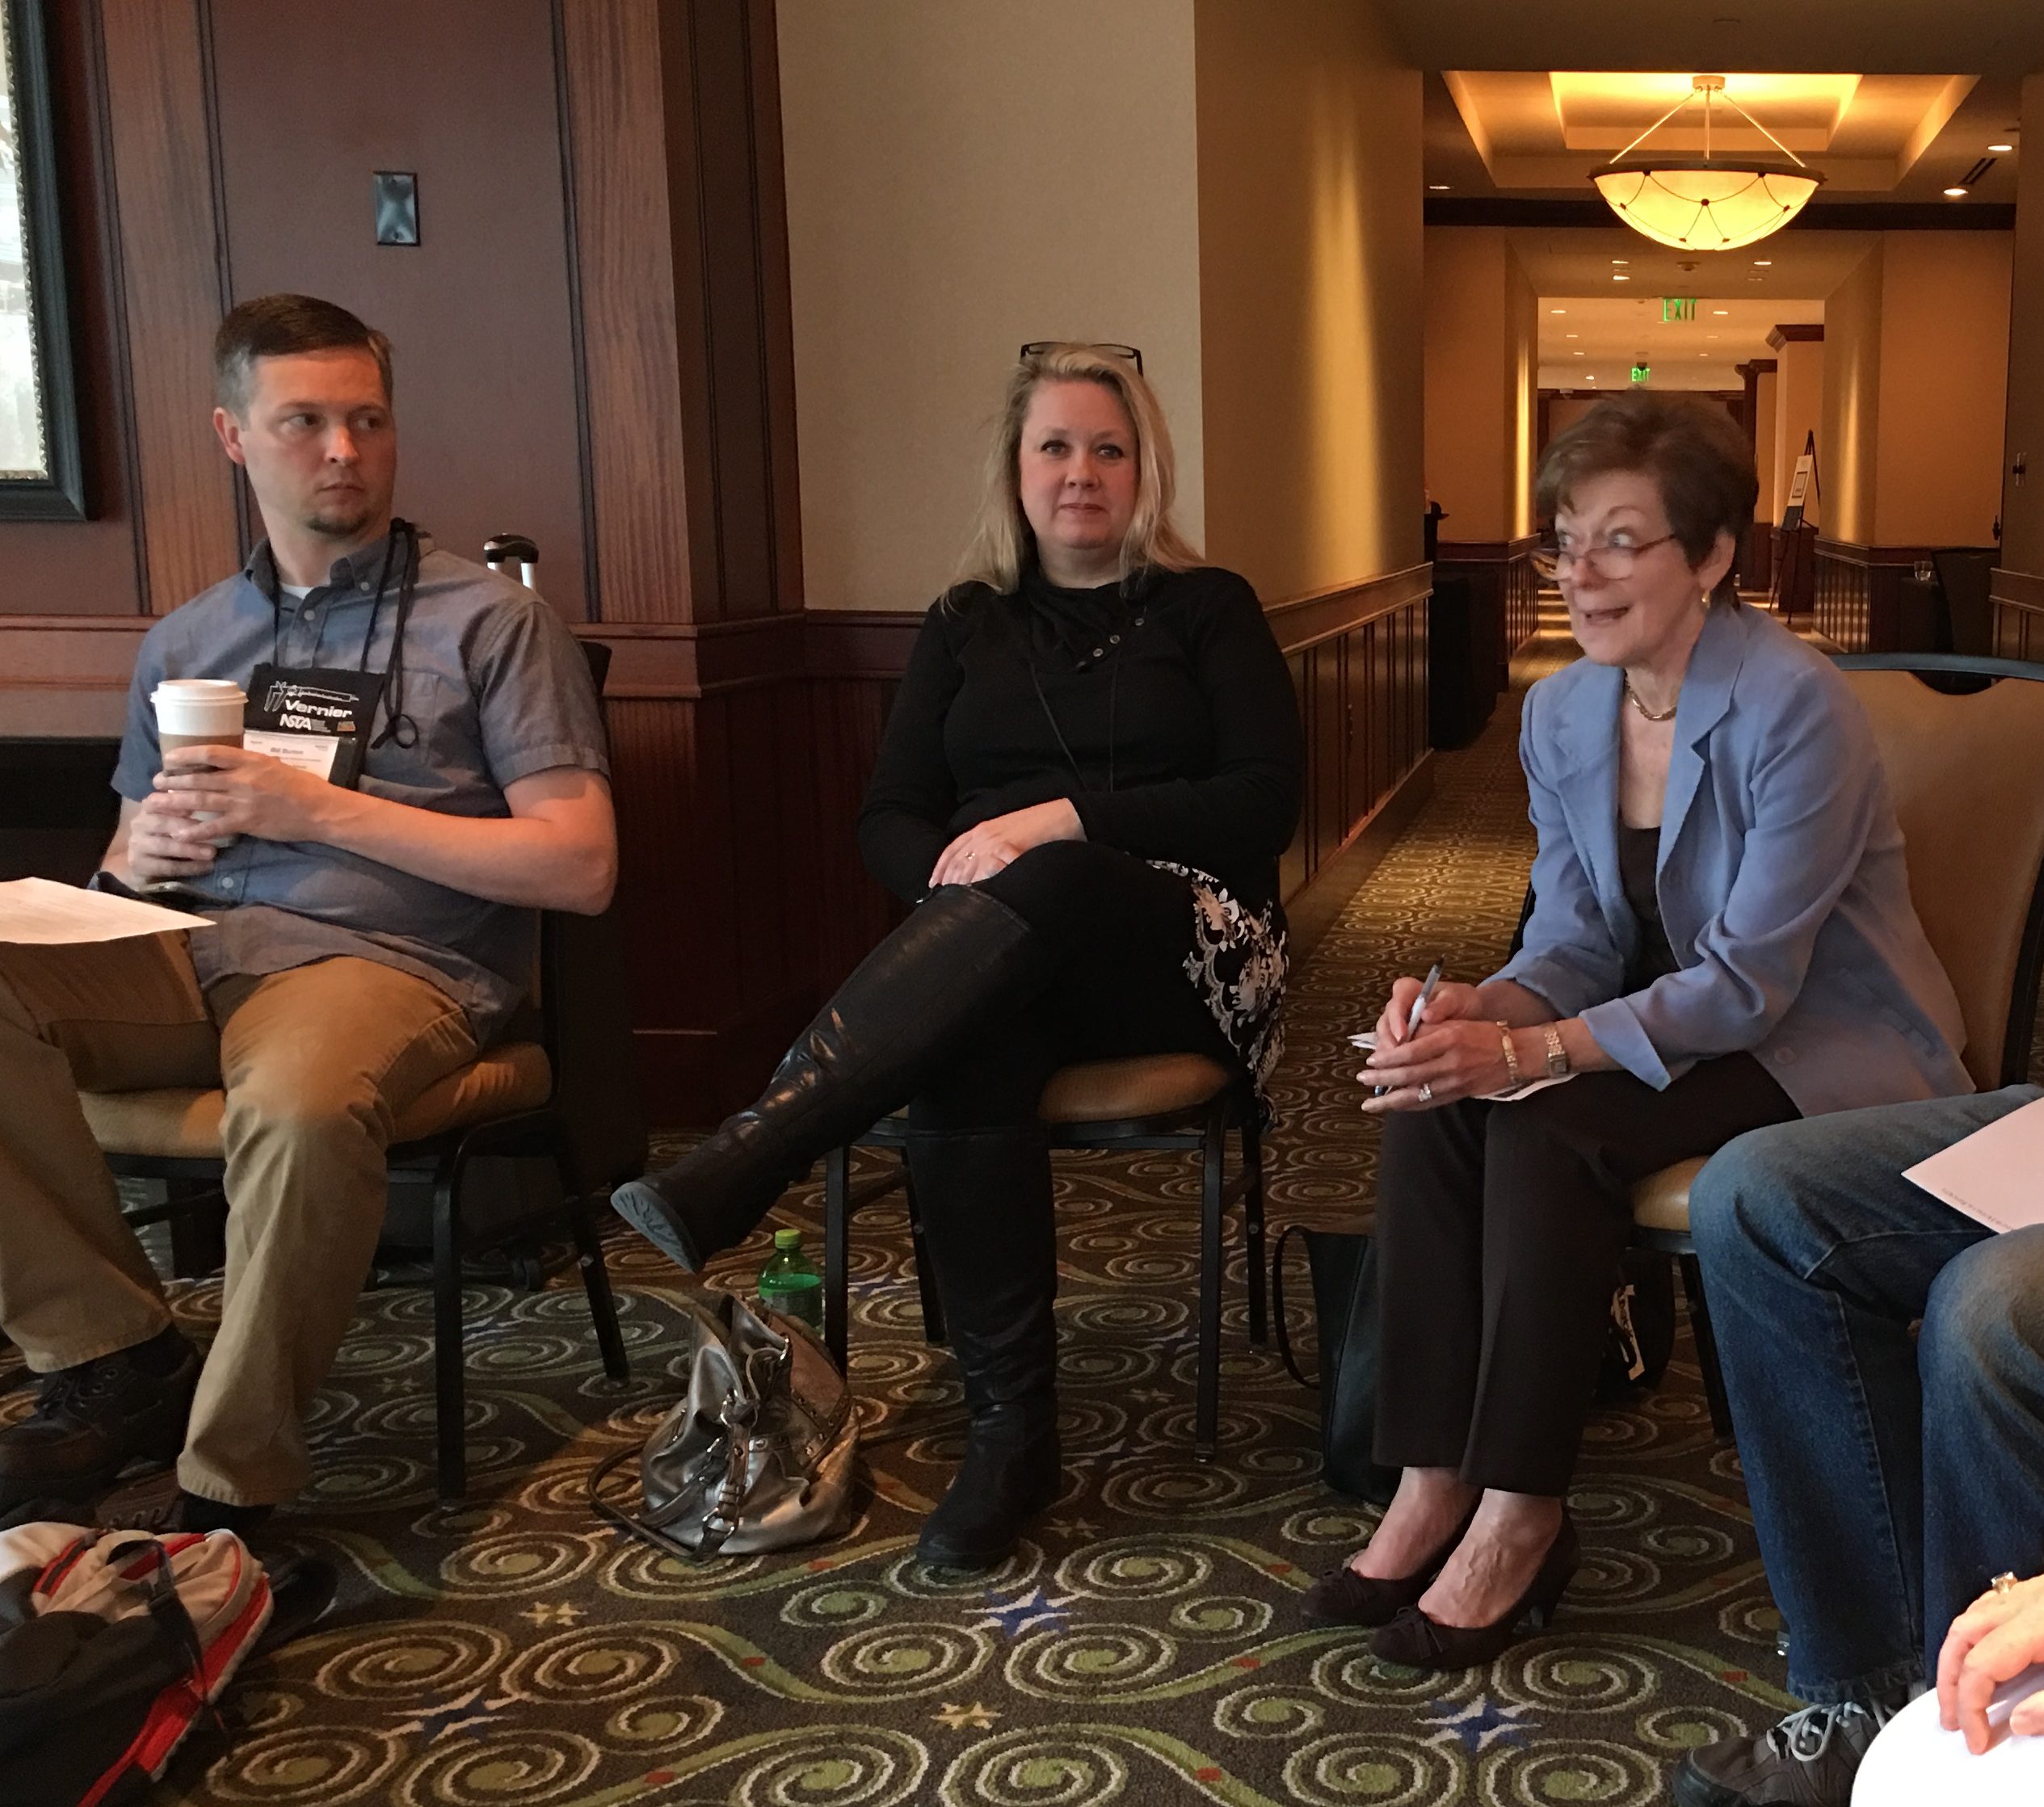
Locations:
(1277, 1307)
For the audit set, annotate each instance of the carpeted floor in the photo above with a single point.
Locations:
(1146, 1648)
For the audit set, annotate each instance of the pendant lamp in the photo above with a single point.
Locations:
(1706, 203)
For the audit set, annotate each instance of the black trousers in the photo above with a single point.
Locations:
(1499, 1229)
(1115, 934)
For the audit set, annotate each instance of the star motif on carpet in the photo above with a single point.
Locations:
(958, 1719)
(1478, 1724)
(565, 1613)
(457, 1715)
(1071, 1527)
(1027, 1611)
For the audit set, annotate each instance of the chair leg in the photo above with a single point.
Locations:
(1207, 1409)
(198, 1221)
(1714, 1375)
(1252, 1220)
(926, 1275)
(837, 1232)
(595, 1282)
(450, 1413)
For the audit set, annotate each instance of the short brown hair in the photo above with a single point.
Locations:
(279, 326)
(1693, 450)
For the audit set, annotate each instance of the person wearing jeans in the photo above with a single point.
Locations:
(1892, 1475)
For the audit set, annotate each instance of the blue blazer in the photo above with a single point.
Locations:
(1781, 880)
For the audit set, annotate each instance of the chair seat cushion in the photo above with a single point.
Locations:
(184, 1122)
(1661, 1200)
(1148, 1086)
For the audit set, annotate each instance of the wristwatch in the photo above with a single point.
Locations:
(1557, 1055)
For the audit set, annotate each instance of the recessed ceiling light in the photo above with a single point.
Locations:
(1436, 187)
(1579, 354)
(1721, 312)
(1954, 194)
(1621, 260)
(1572, 335)
(1762, 263)
(1621, 278)
(1710, 335)
(2000, 147)
(1557, 310)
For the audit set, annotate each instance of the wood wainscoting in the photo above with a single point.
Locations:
(1861, 605)
(1501, 576)
(2018, 598)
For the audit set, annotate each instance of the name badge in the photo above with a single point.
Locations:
(316, 718)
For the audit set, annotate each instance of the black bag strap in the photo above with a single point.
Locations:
(1277, 1306)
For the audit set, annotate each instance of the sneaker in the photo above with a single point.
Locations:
(1809, 1760)
(92, 1420)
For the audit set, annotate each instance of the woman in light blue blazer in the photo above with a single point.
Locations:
(1721, 938)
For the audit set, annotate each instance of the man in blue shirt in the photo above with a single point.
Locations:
(368, 931)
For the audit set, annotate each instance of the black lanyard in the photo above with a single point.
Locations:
(398, 726)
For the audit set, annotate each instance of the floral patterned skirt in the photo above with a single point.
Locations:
(1238, 964)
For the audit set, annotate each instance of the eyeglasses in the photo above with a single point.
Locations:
(1611, 560)
(1037, 347)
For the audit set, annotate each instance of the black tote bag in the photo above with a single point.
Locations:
(1343, 1265)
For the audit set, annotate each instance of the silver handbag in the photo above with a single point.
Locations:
(758, 1455)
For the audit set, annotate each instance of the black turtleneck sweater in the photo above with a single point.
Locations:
(1166, 716)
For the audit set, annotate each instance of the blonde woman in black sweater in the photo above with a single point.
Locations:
(1092, 767)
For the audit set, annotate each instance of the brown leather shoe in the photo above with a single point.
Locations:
(1345, 1598)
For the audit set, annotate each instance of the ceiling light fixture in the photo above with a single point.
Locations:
(1557, 310)
(1999, 148)
(1763, 264)
(1436, 187)
(1621, 278)
(1954, 194)
(1708, 203)
(1720, 312)
(1621, 260)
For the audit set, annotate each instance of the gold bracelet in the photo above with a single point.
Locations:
(1556, 1054)
(1511, 1057)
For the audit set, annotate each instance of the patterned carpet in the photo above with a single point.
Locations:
(1146, 1648)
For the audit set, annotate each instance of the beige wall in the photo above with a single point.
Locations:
(1848, 443)
(1310, 191)
(962, 178)
(1798, 412)
(1944, 387)
(1917, 378)
(1481, 335)
(2022, 547)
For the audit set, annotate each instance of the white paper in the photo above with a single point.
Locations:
(1916, 1760)
(1995, 1175)
(312, 753)
(1367, 1041)
(38, 912)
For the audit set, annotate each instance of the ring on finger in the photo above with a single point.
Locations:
(1426, 1093)
(2004, 1583)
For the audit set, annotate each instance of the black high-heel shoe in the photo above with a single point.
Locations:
(1417, 1642)
(1345, 1598)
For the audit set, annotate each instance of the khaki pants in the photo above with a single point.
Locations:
(316, 1062)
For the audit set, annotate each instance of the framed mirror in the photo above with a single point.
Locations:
(41, 479)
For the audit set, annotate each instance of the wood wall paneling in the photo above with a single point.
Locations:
(2018, 598)
(624, 287)
(172, 285)
(1860, 603)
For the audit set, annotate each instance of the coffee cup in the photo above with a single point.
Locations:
(198, 712)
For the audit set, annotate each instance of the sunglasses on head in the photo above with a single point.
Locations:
(1037, 346)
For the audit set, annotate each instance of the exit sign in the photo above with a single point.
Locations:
(1640, 372)
(1678, 307)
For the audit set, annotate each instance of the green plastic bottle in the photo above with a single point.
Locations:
(789, 1282)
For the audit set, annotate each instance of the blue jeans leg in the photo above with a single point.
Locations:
(1818, 1256)
(1981, 1355)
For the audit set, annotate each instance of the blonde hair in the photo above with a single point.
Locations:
(1002, 542)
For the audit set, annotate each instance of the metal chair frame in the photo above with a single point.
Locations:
(1203, 1129)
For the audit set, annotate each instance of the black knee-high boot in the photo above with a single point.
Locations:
(944, 974)
(986, 1199)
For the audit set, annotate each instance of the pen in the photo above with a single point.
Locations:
(1419, 1009)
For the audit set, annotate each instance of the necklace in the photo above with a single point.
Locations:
(1666, 715)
